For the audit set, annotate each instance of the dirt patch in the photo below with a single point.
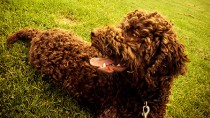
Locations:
(66, 20)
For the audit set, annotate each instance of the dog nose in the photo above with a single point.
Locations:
(93, 33)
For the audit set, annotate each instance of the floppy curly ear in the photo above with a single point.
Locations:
(175, 57)
(170, 59)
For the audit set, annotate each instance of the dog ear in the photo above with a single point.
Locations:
(170, 60)
(177, 58)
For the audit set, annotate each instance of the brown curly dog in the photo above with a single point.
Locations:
(127, 72)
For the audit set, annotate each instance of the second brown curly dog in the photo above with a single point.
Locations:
(125, 67)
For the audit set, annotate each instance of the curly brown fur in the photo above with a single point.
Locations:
(63, 58)
(60, 55)
(143, 43)
(147, 45)
(26, 34)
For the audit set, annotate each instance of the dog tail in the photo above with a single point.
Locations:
(24, 34)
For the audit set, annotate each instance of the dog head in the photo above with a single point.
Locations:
(144, 44)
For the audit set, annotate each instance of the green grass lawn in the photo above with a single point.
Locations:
(23, 93)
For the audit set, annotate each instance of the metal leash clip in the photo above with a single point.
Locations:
(146, 110)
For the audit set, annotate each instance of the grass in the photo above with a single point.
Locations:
(23, 93)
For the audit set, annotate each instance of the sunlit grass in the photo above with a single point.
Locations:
(23, 93)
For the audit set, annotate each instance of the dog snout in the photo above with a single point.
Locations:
(94, 33)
